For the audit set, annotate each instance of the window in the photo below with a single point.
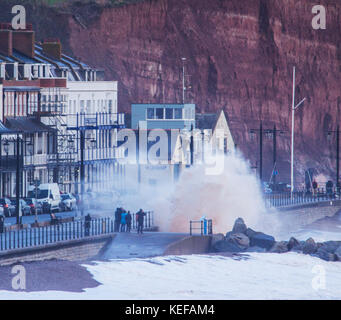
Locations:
(159, 113)
(178, 113)
(150, 113)
(40, 143)
(187, 114)
(110, 106)
(169, 113)
(82, 106)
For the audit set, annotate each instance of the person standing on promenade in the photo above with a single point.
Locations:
(140, 220)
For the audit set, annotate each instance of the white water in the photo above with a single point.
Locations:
(233, 193)
(262, 276)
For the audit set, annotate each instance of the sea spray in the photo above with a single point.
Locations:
(234, 192)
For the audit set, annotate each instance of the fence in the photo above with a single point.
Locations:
(148, 220)
(285, 199)
(205, 227)
(32, 237)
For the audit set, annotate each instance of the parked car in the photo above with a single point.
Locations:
(25, 208)
(9, 209)
(48, 195)
(34, 205)
(68, 202)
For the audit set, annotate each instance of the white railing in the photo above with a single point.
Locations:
(94, 154)
(95, 119)
(35, 160)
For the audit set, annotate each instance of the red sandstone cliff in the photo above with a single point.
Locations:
(240, 57)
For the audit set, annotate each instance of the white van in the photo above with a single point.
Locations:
(46, 192)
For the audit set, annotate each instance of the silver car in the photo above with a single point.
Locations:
(68, 201)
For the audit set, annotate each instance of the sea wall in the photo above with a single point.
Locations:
(71, 250)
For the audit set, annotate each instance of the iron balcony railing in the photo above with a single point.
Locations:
(95, 120)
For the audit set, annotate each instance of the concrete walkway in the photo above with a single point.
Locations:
(149, 244)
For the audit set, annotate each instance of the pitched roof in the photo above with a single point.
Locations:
(3, 129)
(206, 120)
(25, 124)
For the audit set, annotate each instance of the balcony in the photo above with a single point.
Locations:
(35, 160)
(95, 120)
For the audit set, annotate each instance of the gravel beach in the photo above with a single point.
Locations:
(50, 275)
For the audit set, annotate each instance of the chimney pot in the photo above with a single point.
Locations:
(52, 48)
(23, 41)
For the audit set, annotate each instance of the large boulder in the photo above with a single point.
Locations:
(226, 246)
(249, 232)
(280, 247)
(262, 240)
(330, 246)
(240, 239)
(293, 243)
(309, 247)
(217, 237)
(322, 253)
(338, 253)
(239, 226)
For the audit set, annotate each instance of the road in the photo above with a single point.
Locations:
(46, 217)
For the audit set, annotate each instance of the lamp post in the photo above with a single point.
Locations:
(293, 109)
(82, 168)
(273, 132)
(71, 147)
(252, 133)
(82, 172)
(337, 156)
(192, 146)
(6, 149)
(183, 80)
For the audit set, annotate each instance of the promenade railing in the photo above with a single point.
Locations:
(39, 236)
(285, 199)
(63, 231)
(202, 227)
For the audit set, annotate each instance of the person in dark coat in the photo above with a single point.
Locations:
(87, 224)
(128, 220)
(2, 223)
(315, 185)
(118, 213)
(329, 188)
(141, 214)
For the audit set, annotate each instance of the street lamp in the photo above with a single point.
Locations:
(6, 149)
(329, 134)
(183, 80)
(293, 109)
(71, 147)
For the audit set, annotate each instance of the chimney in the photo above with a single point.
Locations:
(53, 48)
(23, 41)
(6, 42)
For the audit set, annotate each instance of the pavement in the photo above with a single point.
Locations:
(133, 245)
